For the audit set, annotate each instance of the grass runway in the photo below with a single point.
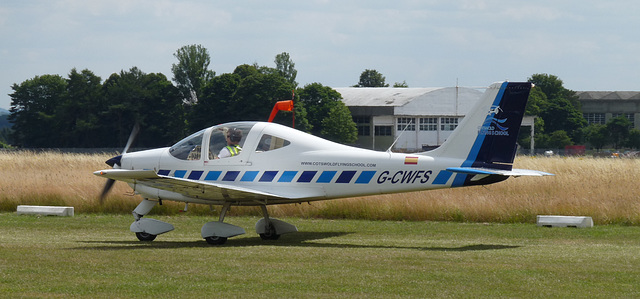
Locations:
(93, 255)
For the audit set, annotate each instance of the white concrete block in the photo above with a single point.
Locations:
(565, 221)
(45, 210)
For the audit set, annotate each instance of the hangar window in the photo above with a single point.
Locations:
(428, 124)
(408, 122)
(448, 123)
(383, 130)
(594, 118)
(629, 116)
(363, 123)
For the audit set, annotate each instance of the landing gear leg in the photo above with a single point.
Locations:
(269, 230)
(143, 208)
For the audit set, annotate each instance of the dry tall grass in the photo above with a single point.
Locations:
(50, 178)
(605, 189)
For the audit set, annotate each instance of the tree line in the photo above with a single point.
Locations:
(560, 122)
(81, 111)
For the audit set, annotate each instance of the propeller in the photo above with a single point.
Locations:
(132, 137)
(115, 162)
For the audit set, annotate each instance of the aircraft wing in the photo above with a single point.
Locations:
(207, 190)
(489, 171)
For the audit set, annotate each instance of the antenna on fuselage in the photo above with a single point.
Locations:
(396, 140)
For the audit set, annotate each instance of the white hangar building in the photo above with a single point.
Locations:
(427, 116)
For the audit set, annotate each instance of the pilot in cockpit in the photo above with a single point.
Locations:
(234, 136)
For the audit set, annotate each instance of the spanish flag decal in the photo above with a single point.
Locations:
(411, 161)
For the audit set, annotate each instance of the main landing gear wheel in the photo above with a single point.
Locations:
(145, 237)
(216, 240)
(270, 233)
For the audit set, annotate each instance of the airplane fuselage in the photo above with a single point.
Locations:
(308, 168)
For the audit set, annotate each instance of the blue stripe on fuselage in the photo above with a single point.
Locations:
(442, 178)
(308, 176)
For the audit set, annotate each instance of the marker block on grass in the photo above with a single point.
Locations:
(565, 221)
(45, 210)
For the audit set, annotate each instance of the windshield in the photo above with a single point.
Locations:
(188, 148)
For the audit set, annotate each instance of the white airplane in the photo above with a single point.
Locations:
(281, 165)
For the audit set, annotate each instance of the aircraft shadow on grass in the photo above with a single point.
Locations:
(300, 239)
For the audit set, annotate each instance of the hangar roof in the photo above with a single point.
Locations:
(376, 96)
(608, 95)
(413, 101)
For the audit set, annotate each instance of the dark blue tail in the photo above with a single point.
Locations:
(486, 138)
(495, 145)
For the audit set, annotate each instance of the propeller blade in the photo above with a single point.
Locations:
(132, 137)
(106, 189)
(116, 161)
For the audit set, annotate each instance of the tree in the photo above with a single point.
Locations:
(560, 114)
(33, 106)
(211, 108)
(249, 93)
(191, 72)
(597, 135)
(634, 139)
(148, 99)
(327, 114)
(286, 67)
(401, 85)
(559, 107)
(618, 129)
(79, 113)
(336, 126)
(550, 85)
(5, 136)
(537, 99)
(256, 94)
(163, 121)
(371, 78)
(559, 139)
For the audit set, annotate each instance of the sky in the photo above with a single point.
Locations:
(589, 45)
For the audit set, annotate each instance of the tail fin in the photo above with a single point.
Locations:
(486, 137)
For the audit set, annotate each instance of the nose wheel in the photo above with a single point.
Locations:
(147, 229)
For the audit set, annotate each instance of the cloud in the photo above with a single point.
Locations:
(425, 42)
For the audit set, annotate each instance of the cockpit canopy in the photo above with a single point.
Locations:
(213, 140)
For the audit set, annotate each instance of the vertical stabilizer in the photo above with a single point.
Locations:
(486, 137)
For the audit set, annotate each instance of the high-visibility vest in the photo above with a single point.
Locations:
(234, 149)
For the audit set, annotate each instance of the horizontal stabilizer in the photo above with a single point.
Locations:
(489, 171)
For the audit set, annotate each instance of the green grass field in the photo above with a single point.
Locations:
(92, 255)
